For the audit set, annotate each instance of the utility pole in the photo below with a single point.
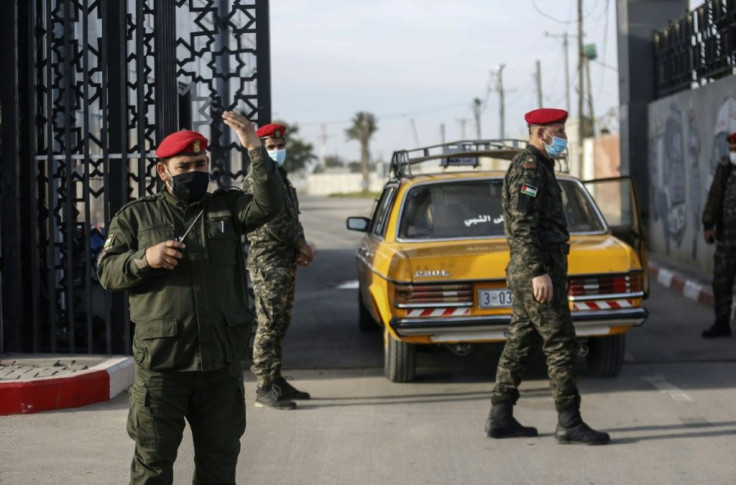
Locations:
(462, 122)
(477, 109)
(414, 132)
(567, 66)
(590, 97)
(538, 82)
(442, 133)
(501, 109)
(323, 147)
(580, 86)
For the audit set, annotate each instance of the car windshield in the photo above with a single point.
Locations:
(472, 209)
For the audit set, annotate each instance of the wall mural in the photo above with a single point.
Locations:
(687, 138)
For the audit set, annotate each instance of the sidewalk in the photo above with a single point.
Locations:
(30, 383)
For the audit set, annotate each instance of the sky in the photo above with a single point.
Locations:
(419, 64)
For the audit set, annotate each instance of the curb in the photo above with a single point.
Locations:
(689, 288)
(679, 283)
(97, 384)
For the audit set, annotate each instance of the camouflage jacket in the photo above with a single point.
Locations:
(713, 211)
(282, 232)
(534, 220)
(194, 317)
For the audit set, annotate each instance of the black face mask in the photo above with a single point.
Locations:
(190, 186)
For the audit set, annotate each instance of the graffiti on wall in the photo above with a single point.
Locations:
(687, 138)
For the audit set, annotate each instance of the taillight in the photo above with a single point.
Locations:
(411, 296)
(605, 285)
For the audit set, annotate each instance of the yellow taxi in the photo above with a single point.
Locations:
(431, 266)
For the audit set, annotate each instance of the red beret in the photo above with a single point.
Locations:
(182, 142)
(731, 138)
(274, 130)
(545, 116)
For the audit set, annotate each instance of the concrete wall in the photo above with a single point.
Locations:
(687, 136)
(606, 156)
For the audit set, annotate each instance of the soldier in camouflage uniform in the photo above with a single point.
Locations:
(178, 254)
(536, 228)
(719, 224)
(276, 249)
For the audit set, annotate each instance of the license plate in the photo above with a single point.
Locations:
(494, 298)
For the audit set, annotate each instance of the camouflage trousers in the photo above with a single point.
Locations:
(534, 324)
(213, 403)
(724, 274)
(273, 286)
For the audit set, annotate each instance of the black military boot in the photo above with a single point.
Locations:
(501, 423)
(572, 430)
(269, 396)
(288, 391)
(720, 328)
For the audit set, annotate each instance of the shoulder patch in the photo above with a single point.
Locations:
(529, 190)
(109, 242)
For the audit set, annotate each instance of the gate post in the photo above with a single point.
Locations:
(11, 316)
(116, 183)
(263, 61)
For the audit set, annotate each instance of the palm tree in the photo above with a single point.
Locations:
(364, 126)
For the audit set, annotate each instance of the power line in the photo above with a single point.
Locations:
(595, 7)
(534, 4)
(567, 22)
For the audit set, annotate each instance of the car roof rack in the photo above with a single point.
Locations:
(459, 153)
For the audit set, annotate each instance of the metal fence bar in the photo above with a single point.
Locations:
(50, 184)
(28, 72)
(87, 297)
(66, 258)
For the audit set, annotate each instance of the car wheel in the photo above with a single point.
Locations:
(606, 355)
(366, 323)
(399, 359)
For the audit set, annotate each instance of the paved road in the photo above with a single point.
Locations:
(670, 412)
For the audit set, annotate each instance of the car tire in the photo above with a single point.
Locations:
(366, 323)
(606, 355)
(399, 359)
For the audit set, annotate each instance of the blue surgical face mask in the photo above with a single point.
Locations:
(278, 156)
(557, 146)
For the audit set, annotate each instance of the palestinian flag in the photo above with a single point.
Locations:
(529, 190)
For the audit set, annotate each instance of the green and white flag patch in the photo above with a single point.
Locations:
(109, 242)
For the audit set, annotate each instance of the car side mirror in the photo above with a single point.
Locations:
(358, 223)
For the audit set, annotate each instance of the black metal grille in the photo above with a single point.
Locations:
(696, 49)
(97, 83)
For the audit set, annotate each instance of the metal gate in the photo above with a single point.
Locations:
(87, 89)
(696, 49)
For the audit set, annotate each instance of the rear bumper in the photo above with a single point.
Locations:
(494, 328)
